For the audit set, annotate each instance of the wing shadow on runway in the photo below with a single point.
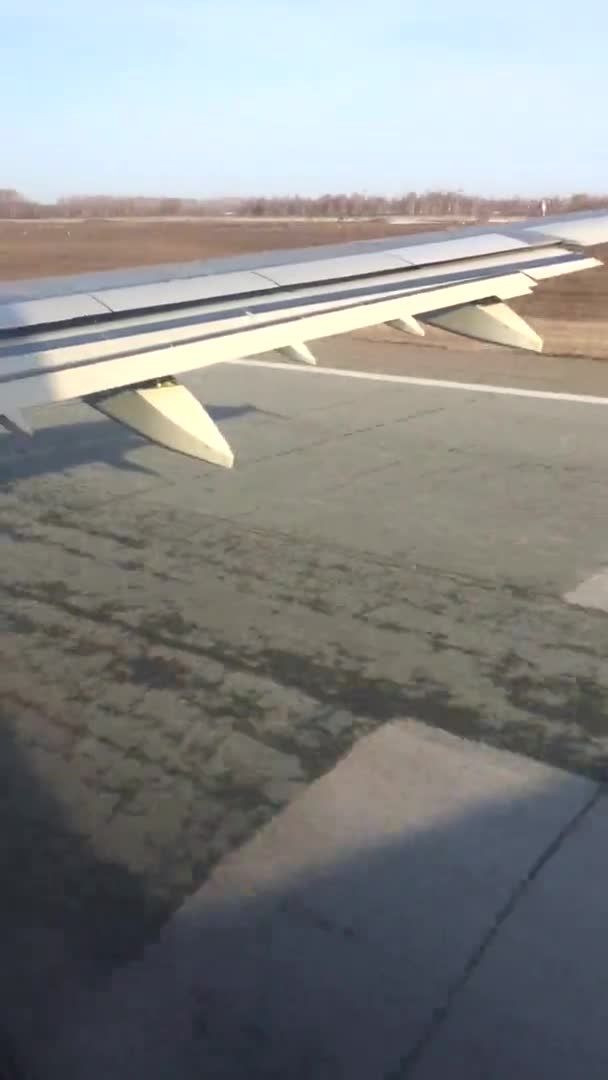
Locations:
(66, 917)
(357, 966)
(102, 441)
(232, 412)
(55, 450)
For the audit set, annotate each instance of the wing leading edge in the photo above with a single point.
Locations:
(119, 340)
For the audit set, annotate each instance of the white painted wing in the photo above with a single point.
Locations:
(120, 340)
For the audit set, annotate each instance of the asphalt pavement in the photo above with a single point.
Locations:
(185, 650)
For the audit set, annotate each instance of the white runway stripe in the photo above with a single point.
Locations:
(412, 380)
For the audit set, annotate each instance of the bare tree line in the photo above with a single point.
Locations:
(355, 205)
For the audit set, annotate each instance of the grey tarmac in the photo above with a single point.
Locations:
(186, 649)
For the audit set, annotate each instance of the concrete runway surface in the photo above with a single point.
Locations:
(186, 649)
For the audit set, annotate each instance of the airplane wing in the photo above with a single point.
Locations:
(119, 340)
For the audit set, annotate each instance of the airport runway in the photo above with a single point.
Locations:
(184, 649)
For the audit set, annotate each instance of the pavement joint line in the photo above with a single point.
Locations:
(337, 437)
(405, 1068)
(439, 384)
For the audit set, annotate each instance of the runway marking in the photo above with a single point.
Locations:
(412, 380)
(592, 593)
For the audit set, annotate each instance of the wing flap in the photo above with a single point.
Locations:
(39, 381)
(549, 270)
(178, 291)
(33, 313)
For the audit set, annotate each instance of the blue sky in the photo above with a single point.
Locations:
(261, 96)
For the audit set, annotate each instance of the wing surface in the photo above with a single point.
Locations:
(120, 340)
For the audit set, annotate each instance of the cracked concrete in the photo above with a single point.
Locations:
(442, 1014)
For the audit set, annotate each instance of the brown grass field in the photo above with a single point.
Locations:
(571, 313)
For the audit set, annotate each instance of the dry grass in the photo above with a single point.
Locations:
(39, 249)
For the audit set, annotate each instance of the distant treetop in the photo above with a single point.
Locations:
(340, 205)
